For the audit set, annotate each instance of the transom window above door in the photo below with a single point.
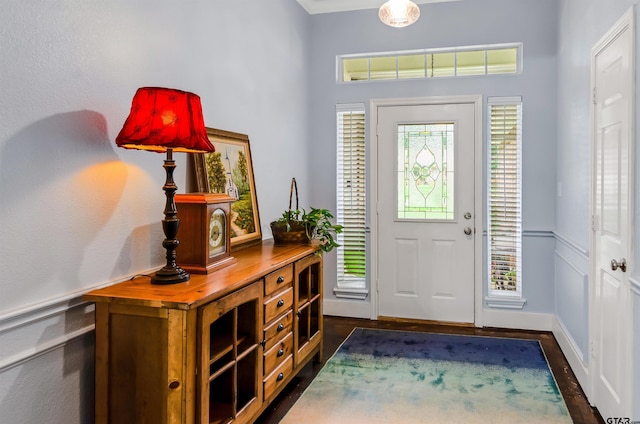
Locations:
(431, 63)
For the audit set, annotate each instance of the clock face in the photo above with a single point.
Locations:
(217, 232)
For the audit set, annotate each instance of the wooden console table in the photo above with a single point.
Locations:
(216, 349)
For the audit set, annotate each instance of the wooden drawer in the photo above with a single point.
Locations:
(278, 377)
(277, 354)
(278, 280)
(276, 331)
(278, 305)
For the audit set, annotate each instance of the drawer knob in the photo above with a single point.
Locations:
(280, 377)
(280, 280)
(280, 353)
(174, 384)
(280, 303)
(280, 327)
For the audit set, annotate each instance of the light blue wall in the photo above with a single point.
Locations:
(581, 24)
(532, 22)
(77, 212)
(65, 94)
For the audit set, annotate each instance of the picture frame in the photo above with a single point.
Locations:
(225, 171)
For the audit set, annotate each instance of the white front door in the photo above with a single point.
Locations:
(611, 308)
(426, 211)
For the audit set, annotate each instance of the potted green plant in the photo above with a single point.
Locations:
(300, 226)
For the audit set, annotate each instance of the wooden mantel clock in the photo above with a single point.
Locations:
(204, 232)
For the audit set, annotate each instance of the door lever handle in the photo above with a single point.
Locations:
(622, 265)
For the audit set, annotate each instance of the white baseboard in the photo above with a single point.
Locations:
(502, 318)
(346, 308)
(575, 357)
(490, 318)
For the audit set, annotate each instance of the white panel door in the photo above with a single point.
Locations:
(426, 222)
(611, 315)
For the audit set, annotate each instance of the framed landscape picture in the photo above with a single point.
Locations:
(229, 170)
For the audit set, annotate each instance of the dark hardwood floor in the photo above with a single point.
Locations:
(337, 329)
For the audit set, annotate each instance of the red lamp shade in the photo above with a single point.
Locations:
(165, 118)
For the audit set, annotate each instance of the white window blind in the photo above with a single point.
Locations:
(505, 194)
(351, 197)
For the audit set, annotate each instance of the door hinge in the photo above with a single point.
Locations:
(595, 96)
(594, 223)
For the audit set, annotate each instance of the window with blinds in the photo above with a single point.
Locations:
(351, 197)
(505, 193)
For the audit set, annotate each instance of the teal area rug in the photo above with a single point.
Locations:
(383, 376)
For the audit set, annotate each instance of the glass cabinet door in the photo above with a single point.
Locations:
(308, 306)
(230, 367)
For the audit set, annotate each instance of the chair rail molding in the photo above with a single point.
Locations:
(33, 331)
(571, 244)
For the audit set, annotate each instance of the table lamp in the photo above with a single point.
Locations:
(166, 120)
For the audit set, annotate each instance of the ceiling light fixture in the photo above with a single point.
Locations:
(399, 13)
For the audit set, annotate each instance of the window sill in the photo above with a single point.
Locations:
(353, 294)
(500, 302)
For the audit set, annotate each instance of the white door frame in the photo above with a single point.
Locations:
(374, 104)
(627, 21)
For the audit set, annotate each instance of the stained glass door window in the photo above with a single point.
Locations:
(425, 172)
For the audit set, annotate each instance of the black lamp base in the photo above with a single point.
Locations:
(170, 276)
(171, 273)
